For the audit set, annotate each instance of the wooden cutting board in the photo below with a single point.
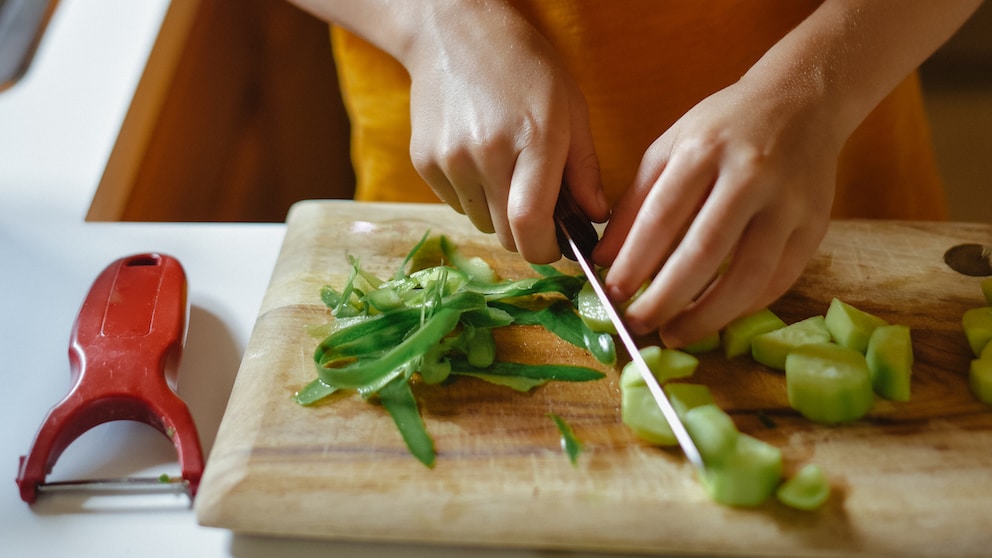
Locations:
(911, 479)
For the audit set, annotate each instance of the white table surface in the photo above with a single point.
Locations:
(57, 128)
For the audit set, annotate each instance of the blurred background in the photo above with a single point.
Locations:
(246, 101)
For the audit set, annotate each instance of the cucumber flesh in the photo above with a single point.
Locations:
(665, 364)
(807, 490)
(890, 361)
(980, 379)
(977, 324)
(987, 290)
(713, 431)
(747, 476)
(592, 312)
(709, 343)
(771, 348)
(828, 383)
(687, 396)
(738, 334)
(640, 412)
(850, 326)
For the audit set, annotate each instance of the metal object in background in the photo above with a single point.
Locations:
(22, 23)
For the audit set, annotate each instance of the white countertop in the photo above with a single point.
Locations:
(57, 128)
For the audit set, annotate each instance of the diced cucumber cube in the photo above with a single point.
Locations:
(828, 383)
(807, 490)
(592, 312)
(771, 348)
(713, 432)
(850, 326)
(665, 364)
(987, 290)
(890, 361)
(986, 352)
(747, 477)
(687, 396)
(977, 324)
(709, 343)
(980, 379)
(641, 413)
(738, 334)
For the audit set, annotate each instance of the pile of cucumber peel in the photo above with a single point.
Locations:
(432, 321)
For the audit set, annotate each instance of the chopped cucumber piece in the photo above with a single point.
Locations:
(771, 348)
(738, 334)
(807, 490)
(850, 326)
(986, 352)
(665, 364)
(828, 383)
(592, 312)
(977, 324)
(687, 396)
(704, 345)
(713, 432)
(987, 290)
(890, 361)
(748, 475)
(640, 412)
(980, 379)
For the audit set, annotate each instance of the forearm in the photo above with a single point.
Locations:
(849, 54)
(405, 29)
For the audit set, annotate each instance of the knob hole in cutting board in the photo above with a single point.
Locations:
(974, 260)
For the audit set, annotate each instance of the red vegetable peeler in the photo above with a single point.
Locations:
(124, 356)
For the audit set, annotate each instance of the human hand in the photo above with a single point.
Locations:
(746, 175)
(497, 123)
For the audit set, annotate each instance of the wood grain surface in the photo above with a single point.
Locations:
(910, 479)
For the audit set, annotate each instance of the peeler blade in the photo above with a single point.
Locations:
(124, 355)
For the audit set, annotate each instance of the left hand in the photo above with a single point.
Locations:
(748, 176)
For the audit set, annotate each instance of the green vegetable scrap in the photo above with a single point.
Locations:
(570, 443)
(435, 321)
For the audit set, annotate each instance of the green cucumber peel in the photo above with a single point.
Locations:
(570, 443)
(398, 400)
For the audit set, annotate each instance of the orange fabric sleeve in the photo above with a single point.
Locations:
(641, 67)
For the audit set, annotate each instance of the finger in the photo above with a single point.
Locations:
(438, 182)
(754, 265)
(664, 214)
(622, 218)
(534, 190)
(711, 237)
(802, 244)
(496, 174)
(457, 172)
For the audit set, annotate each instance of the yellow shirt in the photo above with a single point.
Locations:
(641, 65)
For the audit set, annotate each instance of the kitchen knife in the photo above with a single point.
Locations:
(577, 237)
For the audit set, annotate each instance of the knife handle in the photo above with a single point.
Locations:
(569, 216)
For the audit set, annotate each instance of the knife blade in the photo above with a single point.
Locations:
(577, 237)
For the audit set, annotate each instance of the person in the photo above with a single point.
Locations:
(716, 137)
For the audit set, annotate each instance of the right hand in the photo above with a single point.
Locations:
(498, 123)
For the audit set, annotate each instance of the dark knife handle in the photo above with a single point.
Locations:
(569, 216)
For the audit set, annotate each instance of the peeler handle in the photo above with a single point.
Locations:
(124, 356)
